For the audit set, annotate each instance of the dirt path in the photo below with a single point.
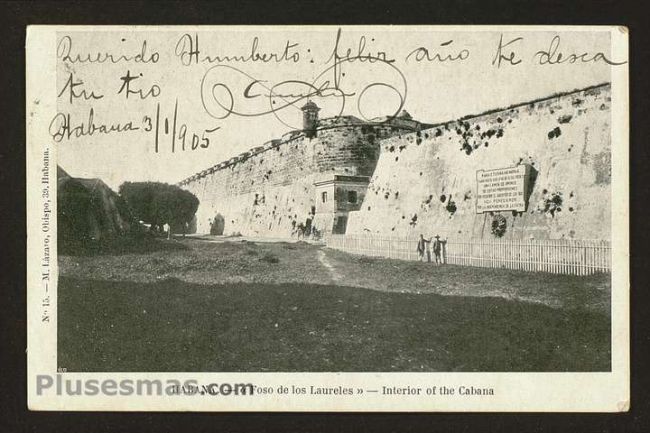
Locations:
(322, 258)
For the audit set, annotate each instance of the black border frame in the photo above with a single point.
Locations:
(14, 16)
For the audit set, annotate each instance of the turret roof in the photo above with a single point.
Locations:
(405, 115)
(310, 105)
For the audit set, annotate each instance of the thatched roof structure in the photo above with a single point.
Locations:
(88, 210)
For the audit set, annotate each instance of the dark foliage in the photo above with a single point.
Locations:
(158, 203)
(499, 225)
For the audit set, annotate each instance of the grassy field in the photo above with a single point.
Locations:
(195, 305)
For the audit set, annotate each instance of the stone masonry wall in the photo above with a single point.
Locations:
(425, 182)
(263, 191)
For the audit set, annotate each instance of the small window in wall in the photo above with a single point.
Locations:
(324, 196)
(352, 196)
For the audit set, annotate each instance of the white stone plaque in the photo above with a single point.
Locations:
(502, 189)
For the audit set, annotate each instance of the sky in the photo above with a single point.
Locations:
(224, 99)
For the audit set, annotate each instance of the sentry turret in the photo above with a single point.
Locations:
(310, 118)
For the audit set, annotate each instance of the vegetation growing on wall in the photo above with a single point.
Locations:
(473, 138)
(551, 203)
(499, 225)
(451, 206)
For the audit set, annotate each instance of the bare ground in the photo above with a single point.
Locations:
(197, 305)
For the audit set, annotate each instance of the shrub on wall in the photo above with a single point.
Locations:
(499, 225)
(551, 203)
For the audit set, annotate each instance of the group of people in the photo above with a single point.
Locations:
(426, 246)
(302, 230)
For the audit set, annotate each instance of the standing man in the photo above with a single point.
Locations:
(437, 247)
(422, 248)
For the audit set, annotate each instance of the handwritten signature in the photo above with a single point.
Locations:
(220, 101)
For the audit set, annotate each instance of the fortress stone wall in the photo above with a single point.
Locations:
(425, 182)
(422, 178)
(270, 190)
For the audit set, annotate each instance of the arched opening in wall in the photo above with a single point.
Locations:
(218, 224)
(191, 227)
(340, 225)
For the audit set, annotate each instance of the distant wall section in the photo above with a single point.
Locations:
(270, 189)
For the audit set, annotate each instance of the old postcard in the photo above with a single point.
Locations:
(325, 218)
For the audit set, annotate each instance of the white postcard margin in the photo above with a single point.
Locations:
(531, 392)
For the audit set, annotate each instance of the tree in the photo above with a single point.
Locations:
(158, 203)
(139, 197)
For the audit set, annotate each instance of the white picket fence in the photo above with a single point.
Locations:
(560, 256)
